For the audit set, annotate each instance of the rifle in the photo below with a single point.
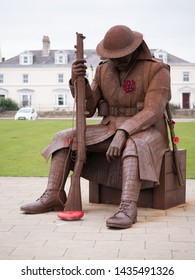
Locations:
(175, 140)
(74, 202)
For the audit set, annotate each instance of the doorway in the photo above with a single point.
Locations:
(186, 100)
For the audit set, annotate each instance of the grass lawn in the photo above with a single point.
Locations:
(186, 133)
(22, 141)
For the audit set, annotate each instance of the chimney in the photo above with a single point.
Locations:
(46, 46)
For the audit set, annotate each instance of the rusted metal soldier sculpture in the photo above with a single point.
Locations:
(133, 89)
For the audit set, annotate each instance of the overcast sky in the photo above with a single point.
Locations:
(165, 24)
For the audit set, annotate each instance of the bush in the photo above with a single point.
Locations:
(7, 104)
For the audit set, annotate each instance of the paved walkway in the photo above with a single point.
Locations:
(158, 234)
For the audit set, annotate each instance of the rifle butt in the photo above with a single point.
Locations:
(178, 168)
(74, 202)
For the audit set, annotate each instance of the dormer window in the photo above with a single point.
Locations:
(26, 58)
(162, 55)
(61, 57)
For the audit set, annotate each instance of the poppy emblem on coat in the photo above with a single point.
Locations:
(129, 86)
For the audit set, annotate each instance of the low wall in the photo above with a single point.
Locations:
(176, 113)
(184, 113)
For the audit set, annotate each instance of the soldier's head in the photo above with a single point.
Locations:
(118, 45)
(119, 41)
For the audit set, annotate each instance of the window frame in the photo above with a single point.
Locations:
(25, 78)
(186, 76)
(60, 78)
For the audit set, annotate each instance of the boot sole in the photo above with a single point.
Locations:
(118, 226)
(54, 209)
(113, 225)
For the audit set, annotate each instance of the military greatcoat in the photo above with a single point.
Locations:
(135, 102)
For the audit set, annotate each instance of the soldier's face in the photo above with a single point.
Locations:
(122, 63)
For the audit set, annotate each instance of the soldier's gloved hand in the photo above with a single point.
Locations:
(78, 69)
(116, 147)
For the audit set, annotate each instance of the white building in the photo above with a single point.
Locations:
(182, 80)
(40, 78)
(183, 85)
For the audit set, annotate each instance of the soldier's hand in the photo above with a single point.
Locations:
(116, 147)
(78, 69)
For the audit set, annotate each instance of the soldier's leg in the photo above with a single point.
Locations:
(54, 197)
(131, 184)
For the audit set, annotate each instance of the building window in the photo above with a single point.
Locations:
(25, 100)
(3, 93)
(160, 57)
(25, 97)
(26, 58)
(60, 78)
(186, 76)
(160, 54)
(61, 57)
(61, 60)
(25, 78)
(1, 78)
(61, 98)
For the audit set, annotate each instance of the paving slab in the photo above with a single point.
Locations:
(158, 234)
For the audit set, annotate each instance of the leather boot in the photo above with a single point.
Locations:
(131, 184)
(125, 216)
(54, 197)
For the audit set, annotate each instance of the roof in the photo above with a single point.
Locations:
(90, 54)
(41, 61)
(175, 59)
(170, 57)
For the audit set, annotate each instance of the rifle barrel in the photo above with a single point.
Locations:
(74, 202)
